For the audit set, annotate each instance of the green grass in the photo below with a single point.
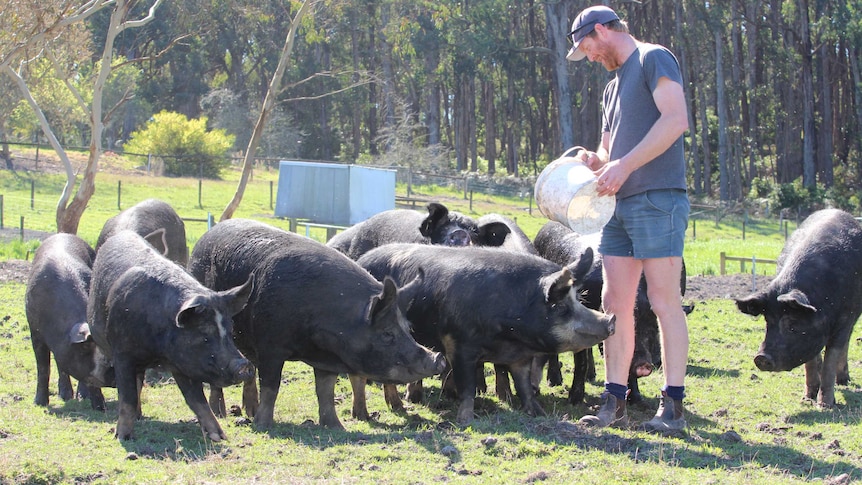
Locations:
(746, 426)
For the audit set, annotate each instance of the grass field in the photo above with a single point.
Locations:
(745, 426)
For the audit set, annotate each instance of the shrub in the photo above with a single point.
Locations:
(795, 196)
(185, 145)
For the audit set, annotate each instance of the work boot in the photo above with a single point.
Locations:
(669, 418)
(611, 413)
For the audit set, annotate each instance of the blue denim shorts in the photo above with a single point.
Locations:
(648, 225)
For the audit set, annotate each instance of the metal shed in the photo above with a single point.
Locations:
(328, 193)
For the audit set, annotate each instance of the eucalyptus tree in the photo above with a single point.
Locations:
(45, 25)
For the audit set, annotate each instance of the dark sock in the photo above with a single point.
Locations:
(677, 393)
(619, 391)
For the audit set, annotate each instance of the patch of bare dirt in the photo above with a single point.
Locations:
(700, 288)
(14, 271)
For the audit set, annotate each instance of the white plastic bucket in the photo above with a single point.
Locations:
(566, 193)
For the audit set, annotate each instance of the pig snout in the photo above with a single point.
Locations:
(643, 369)
(439, 362)
(612, 324)
(458, 237)
(241, 369)
(764, 362)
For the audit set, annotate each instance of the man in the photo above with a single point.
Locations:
(639, 161)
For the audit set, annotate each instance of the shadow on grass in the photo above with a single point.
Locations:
(81, 410)
(707, 372)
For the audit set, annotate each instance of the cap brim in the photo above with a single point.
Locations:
(575, 54)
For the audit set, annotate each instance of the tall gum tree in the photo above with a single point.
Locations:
(47, 24)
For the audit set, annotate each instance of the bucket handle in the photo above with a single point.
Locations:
(574, 148)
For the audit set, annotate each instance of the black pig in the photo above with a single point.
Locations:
(146, 217)
(813, 302)
(490, 305)
(56, 307)
(440, 226)
(145, 311)
(313, 304)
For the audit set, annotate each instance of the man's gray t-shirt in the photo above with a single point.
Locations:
(629, 112)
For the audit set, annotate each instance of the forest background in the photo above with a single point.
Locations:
(774, 88)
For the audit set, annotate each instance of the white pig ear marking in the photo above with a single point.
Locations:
(219, 319)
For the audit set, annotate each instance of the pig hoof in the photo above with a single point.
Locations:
(216, 437)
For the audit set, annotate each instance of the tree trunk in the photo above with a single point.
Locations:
(721, 110)
(686, 86)
(809, 129)
(268, 104)
(356, 121)
(825, 151)
(512, 134)
(855, 54)
(432, 108)
(557, 26)
(389, 96)
(490, 126)
(751, 82)
(704, 138)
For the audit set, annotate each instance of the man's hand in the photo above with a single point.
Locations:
(590, 159)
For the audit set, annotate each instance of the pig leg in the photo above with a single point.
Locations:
(481, 385)
(64, 385)
(842, 374)
(128, 395)
(140, 386)
(521, 375)
(502, 387)
(193, 392)
(415, 391)
(82, 392)
(217, 401)
(97, 399)
(832, 359)
(812, 378)
(464, 372)
(634, 396)
(393, 400)
(357, 384)
(579, 379)
(270, 380)
(324, 385)
(555, 370)
(43, 370)
(250, 397)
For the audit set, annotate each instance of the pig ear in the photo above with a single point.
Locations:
(581, 266)
(753, 305)
(494, 233)
(80, 333)
(436, 213)
(237, 297)
(158, 240)
(191, 307)
(797, 300)
(557, 286)
(407, 293)
(384, 300)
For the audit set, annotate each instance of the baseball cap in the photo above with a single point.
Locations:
(585, 23)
